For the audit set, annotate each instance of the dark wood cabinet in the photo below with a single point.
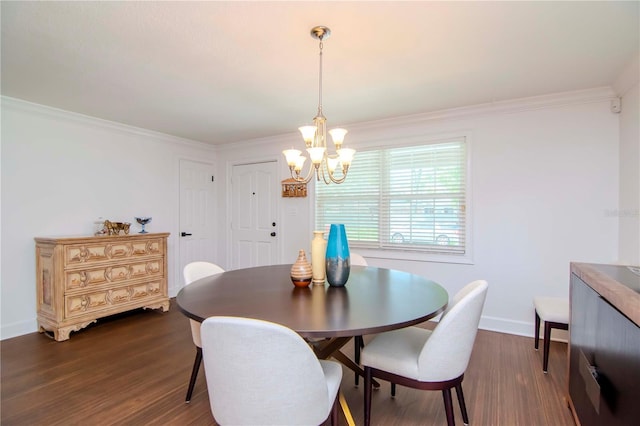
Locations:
(604, 355)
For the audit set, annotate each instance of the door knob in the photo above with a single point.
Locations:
(273, 234)
(184, 234)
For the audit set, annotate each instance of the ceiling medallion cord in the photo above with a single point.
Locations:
(315, 139)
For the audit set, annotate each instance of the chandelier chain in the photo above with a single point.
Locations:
(320, 82)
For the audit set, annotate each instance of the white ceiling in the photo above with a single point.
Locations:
(220, 72)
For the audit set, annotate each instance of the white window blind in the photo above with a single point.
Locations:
(409, 198)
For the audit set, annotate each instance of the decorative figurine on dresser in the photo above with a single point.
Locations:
(81, 279)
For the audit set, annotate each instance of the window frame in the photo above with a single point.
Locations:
(405, 253)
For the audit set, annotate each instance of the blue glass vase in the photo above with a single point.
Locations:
(337, 258)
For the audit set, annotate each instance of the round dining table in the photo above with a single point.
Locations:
(374, 300)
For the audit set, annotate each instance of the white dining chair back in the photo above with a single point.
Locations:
(446, 353)
(357, 259)
(195, 270)
(278, 381)
(192, 272)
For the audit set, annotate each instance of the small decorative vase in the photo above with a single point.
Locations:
(301, 271)
(337, 259)
(318, 251)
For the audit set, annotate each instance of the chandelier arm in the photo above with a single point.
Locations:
(324, 178)
(335, 180)
(306, 179)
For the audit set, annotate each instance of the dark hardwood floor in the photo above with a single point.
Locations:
(133, 369)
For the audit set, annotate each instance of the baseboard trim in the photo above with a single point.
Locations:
(7, 331)
(499, 325)
(518, 328)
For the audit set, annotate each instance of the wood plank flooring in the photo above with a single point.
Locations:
(133, 369)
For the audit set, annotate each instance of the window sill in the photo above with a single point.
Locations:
(413, 256)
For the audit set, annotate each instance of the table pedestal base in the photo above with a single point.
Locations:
(325, 349)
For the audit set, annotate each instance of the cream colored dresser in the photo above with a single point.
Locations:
(81, 279)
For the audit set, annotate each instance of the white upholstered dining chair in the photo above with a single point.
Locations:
(193, 272)
(428, 360)
(358, 341)
(279, 381)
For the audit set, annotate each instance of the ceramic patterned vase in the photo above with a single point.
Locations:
(301, 271)
(338, 264)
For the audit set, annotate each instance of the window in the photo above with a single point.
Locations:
(410, 198)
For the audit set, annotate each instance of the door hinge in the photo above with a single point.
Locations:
(213, 178)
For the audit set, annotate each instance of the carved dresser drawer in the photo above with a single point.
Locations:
(98, 275)
(81, 279)
(89, 302)
(100, 251)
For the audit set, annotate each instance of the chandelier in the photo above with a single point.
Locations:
(315, 139)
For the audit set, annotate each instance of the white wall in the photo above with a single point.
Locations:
(544, 170)
(628, 88)
(60, 172)
(544, 176)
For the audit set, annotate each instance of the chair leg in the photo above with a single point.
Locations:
(358, 344)
(335, 412)
(547, 340)
(448, 406)
(367, 396)
(463, 407)
(537, 331)
(194, 373)
(393, 389)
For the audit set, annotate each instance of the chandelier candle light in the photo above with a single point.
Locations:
(315, 139)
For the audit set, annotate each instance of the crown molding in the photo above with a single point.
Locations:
(86, 120)
(286, 140)
(598, 94)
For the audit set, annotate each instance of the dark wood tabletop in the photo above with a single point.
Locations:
(374, 300)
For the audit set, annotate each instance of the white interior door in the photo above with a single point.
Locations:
(196, 213)
(254, 230)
